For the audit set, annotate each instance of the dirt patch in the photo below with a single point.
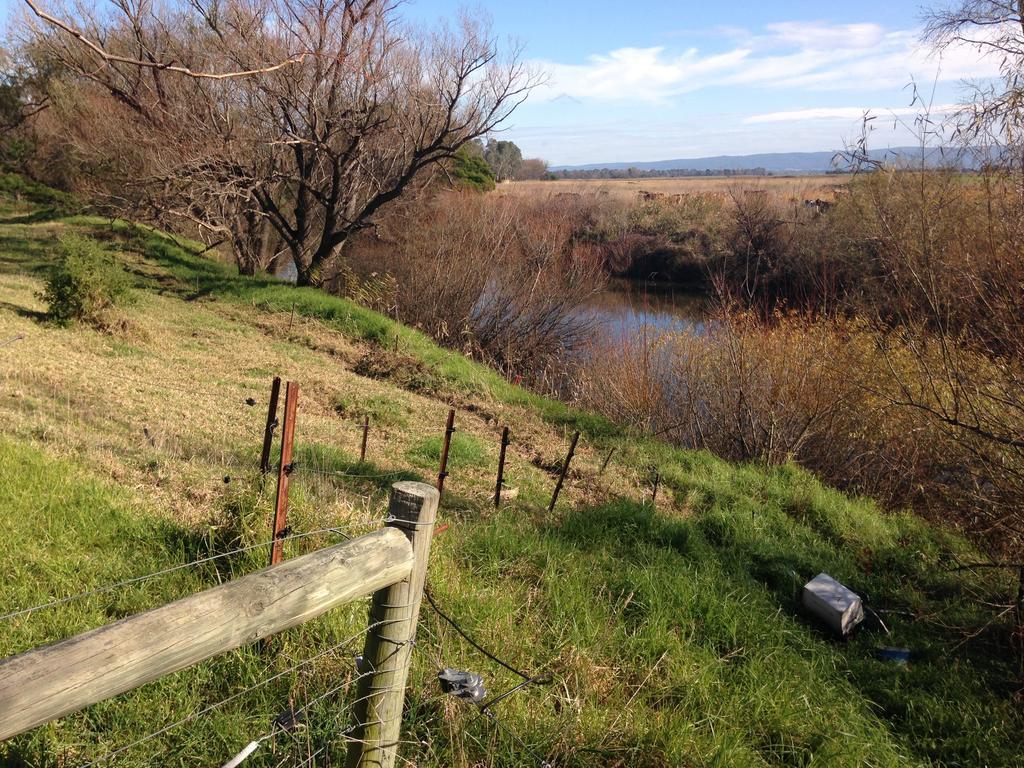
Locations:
(401, 370)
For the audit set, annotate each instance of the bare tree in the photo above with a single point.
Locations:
(993, 116)
(293, 159)
(947, 276)
(532, 168)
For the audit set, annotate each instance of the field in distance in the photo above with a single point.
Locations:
(801, 188)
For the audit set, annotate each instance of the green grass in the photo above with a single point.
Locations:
(464, 451)
(744, 678)
(381, 410)
(73, 534)
(673, 635)
(198, 276)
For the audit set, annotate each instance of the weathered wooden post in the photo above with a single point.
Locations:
(501, 467)
(268, 430)
(284, 471)
(394, 612)
(56, 680)
(565, 470)
(442, 471)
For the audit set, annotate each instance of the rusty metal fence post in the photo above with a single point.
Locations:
(442, 471)
(284, 471)
(564, 472)
(501, 467)
(268, 430)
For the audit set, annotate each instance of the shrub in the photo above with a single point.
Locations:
(811, 391)
(381, 410)
(85, 284)
(499, 278)
(472, 171)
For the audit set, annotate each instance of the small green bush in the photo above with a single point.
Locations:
(383, 411)
(85, 284)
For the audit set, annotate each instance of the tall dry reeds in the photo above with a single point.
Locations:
(794, 390)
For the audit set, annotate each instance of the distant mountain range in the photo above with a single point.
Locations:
(772, 162)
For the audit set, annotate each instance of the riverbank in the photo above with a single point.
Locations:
(671, 629)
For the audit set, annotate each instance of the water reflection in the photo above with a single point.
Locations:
(627, 306)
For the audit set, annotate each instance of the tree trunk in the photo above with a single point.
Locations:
(314, 272)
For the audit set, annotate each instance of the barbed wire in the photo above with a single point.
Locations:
(186, 388)
(352, 475)
(297, 715)
(455, 625)
(485, 709)
(175, 568)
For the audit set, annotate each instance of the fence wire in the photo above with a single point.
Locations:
(339, 530)
(298, 715)
(343, 645)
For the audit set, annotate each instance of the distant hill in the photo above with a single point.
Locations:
(772, 162)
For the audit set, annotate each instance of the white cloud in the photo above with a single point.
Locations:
(843, 113)
(806, 55)
(644, 74)
(816, 35)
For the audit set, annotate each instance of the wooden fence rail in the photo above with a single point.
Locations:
(50, 682)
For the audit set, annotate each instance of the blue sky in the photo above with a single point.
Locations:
(637, 80)
(634, 81)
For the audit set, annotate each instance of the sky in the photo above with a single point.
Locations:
(633, 80)
(640, 81)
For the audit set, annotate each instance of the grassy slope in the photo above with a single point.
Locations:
(673, 634)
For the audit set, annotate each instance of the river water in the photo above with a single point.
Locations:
(626, 307)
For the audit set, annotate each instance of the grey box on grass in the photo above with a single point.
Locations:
(838, 607)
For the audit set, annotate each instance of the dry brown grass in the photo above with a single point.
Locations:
(785, 188)
(161, 408)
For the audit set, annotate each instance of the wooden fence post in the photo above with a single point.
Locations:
(442, 471)
(284, 471)
(268, 431)
(501, 467)
(565, 470)
(56, 680)
(366, 434)
(394, 612)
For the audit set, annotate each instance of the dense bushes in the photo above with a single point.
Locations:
(791, 390)
(877, 340)
(880, 344)
(502, 279)
(85, 284)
